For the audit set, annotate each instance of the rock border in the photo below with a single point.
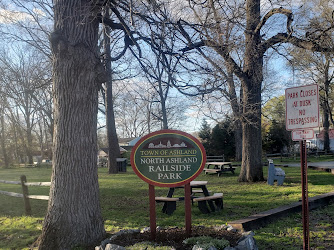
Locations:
(246, 242)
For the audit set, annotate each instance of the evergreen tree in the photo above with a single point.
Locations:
(205, 135)
(222, 142)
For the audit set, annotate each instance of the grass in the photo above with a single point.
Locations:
(124, 201)
(287, 233)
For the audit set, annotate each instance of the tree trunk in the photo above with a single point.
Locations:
(251, 167)
(164, 114)
(236, 109)
(163, 105)
(325, 124)
(325, 105)
(74, 214)
(238, 140)
(113, 146)
(29, 144)
(3, 142)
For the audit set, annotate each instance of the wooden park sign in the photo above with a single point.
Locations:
(168, 158)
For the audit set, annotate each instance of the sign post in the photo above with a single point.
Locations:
(153, 223)
(302, 113)
(168, 158)
(305, 211)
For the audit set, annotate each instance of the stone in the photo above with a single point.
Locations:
(248, 233)
(114, 247)
(104, 243)
(231, 229)
(247, 243)
(146, 229)
(244, 235)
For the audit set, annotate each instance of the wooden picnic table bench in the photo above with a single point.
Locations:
(219, 167)
(216, 197)
(214, 201)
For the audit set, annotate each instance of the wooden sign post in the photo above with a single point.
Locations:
(302, 114)
(168, 158)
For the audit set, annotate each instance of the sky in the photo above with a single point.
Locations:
(283, 77)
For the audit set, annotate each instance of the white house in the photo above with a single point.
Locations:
(319, 141)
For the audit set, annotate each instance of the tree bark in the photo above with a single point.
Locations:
(251, 166)
(74, 214)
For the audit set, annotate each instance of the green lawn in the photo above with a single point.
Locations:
(124, 201)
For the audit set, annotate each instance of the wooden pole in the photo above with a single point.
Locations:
(187, 204)
(152, 212)
(25, 193)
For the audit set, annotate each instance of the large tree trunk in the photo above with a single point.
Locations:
(74, 214)
(251, 167)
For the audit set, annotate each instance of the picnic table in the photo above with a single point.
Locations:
(196, 187)
(219, 167)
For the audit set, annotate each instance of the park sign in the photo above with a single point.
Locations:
(168, 158)
(302, 107)
(303, 134)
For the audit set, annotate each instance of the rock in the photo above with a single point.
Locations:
(231, 229)
(248, 233)
(104, 243)
(247, 243)
(245, 235)
(114, 247)
(146, 229)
